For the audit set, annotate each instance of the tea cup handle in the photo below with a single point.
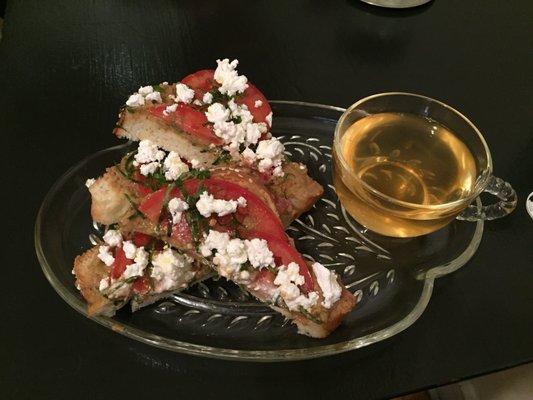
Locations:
(499, 188)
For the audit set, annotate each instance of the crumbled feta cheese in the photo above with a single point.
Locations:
(145, 90)
(139, 264)
(327, 280)
(174, 167)
(167, 268)
(230, 81)
(150, 168)
(129, 249)
(208, 98)
(248, 155)
(89, 182)
(270, 152)
(217, 113)
(104, 284)
(269, 119)
(154, 97)
(176, 207)
(194, 163)
(288, 279)
(208, 205)
(184, 93)
(197, 102)
(148, 152)
(113, 238)
(105, 255)
(258, 103)
(170, 109)
(135, 100)
(164, 83)
(214, 241)
(236, 249)
(258, 253)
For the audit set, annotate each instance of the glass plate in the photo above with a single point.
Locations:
(392, 279)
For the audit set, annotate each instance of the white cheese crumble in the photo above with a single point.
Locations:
(167, 268)
(129, 249)
(148, 157)
(327, 280)
(170, 109)
(176, 207)
(184, 93)
(217, 113)
(258, 103)
(145, 90)
(269, 119)
(228, 78)
(105, 255)
(173, 166)
(208, 205)
(270, 154)
(207, 98)
(258, 253)
(197, 102)
(89, 182)
(288, 279)
(104, 284)
(113, 238)
(154, 97)
(139, 264)
(135, 100)
(194, 163)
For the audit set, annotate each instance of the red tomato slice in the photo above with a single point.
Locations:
(201, 82)
(284, 254)
(195, 122)
(153, 203)
(250, 96)
(189, 120)
(181, 232)
(256, 216)
(142, 239)
(120, 264)
(141, 285)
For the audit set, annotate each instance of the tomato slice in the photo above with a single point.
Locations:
(189, 120)
(250, 96)
(141, 285)
(153, 203)
(195, 122)
(120, 263)
(284, 254)
(181, 232)
(256, 216)
(201, 82)
(141, 239)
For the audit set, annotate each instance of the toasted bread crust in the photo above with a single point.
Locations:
(89, 271)
(109, 203)
(140, 125)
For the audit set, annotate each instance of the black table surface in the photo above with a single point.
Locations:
(67, 66)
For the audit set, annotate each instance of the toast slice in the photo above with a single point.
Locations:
(106, 290)
(251, 249)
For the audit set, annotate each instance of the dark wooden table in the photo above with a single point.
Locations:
(67, 66)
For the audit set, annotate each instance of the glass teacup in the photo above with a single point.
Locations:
(406, 165)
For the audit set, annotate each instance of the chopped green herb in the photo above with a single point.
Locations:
(310, 316)
(237, 119)
(158, 88)
(137, 213)
(223, 158)
(130, 109)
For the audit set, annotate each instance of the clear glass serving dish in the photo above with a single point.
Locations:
(391, 278)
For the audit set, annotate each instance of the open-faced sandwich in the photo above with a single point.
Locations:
(208, 190)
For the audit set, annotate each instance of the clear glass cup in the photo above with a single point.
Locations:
(391, 216)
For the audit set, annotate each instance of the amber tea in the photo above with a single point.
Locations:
(395, 162)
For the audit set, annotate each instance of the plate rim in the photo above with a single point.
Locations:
(248, 355)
